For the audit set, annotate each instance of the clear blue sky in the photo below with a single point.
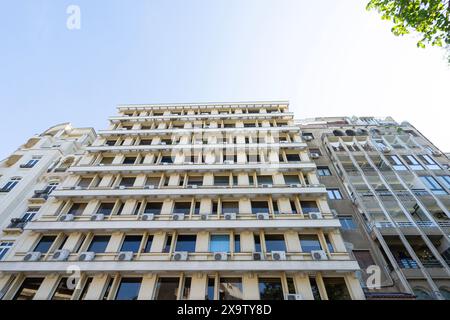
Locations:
(327, 57)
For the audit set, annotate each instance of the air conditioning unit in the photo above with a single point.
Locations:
(67, 217)
(220, 256)
(162, 143)
(284, 141)
(230, 216)
(86, 256)
(78, 188)
(180, 255)
(265, 185)
(101, 164)
(258, 256)
(122, 187)
(32, 256)
(165, 163)
(148, 217)
(204, 216)
(192, 186)
(385, 149)
(436, 153)
(295, 185)
(125, 256)
(228, 162)
(151, 186)
(97, 217)
(262, 216)
(307, 138)
(292, 296)
(278, 255)
(319, 255)
(61, 255)
(315, 155)
(315, 215)
(178, 216)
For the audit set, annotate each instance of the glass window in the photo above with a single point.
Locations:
(127, 182)
(131, 243)
(4, 248)
(99, 244)
(433, 185)
(221, 180)
(334, 194)
(44, 244)
(77, 209)
(347, 223)
(293, 158)
(84, 182)
(128, 289)
(168, 244)
(86, 287)
(323, 171)
(270, 289)
(105, 208)
(396, 163)
(28, 289)
(186, 288)
(275, 242)
(29, 214)
(265, 179)
(62, 291)
(129, 160)
(148, 244)
(219, 243)
(10, 184)
(182, 207)
(186, 243)
(291, 179)
(153, 207)
(309, 243)
(429, 162)
(445, 180)
(167, 288)
(260, 206)
(230, 207)
(412, 162)
(309, 206)
(230, 289)
(315, 289)
(336, 289)
(237, 243)
(257, 239)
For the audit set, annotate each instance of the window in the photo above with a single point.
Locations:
(129, 160)
(433, 185)
(195, 181)
(230, 289)
(107, 160)
(108, 289)
(334, 194)
(293, 158)
(270, 289)
(336, 289)
(275, 242)
(186, 292)
(257, 240)
(230, 207)
(445, 180)
(44, 244)
(63, 292)
(128, 289)
(186, 243)
(145, 142)
(221, 180)
(168, 244)
(131, 243)
(412, 162)
(309, 206)
(99, 244)
(84, 182)
(429, 162)
(166, 159)
(309, 243)
(148, 244)
(323, 171)
(127, 182)
(396, 163)
(110, 143)
(31, 163)
(329, 244)
(86, 287)
(28, 289)
(77, 209)
(347, 223)
(422, 294)
(153, 207)
(211, 289)
(182, 207)
(10, 184)
(105, 208)
(260, 206)
(219, 243)
(315, 288)
(29, 214)
(167, 288)
(266, 179)
(315, 152)
(237, 243)
(4, 248)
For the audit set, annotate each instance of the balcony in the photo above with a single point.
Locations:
(176, 191)
(17, 223)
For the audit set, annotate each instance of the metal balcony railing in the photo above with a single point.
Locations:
(17, 223)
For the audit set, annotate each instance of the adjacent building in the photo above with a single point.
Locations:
(390, 188)
(183, 201)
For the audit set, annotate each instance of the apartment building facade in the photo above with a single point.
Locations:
(391, 192)
(187, 201)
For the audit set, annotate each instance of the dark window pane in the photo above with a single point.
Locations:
(131, 243)
(186, 243)
(86, 288)
(128, 289)
(44, 244)
(211, 288)
(167, 288)
(99, 244)
(148, 245)
(309, 206)
(270, 289)
(315, 289)
(62, 291)
(153, 207)
(28, 289)
(309, 243)
(336, 289)
(275, 243)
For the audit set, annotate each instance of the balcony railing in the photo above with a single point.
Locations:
(17, 223)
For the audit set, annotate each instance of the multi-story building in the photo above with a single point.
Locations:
(31, 174)
(187, 201)
(398, 183)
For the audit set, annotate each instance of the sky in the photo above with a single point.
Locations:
(328, 58)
